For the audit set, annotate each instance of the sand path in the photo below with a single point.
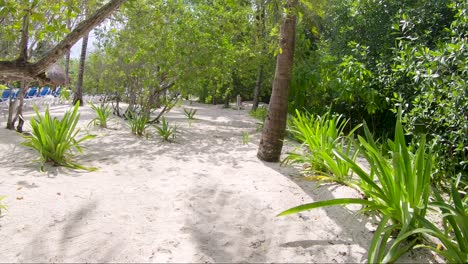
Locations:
(204, 198)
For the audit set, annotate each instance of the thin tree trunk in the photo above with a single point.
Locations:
(78, 97)
(19, 112)
(271, 142)
(261, 36)
(67, 60)
(258, 86)
(11, 109)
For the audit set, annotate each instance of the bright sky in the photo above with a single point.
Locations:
(76, 49)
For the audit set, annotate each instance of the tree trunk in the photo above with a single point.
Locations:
(19, 112)
(261, 36)
(67, 60)
(67, 69)
(258, 86)
(11, 109)
(271, 142)
(78, 97)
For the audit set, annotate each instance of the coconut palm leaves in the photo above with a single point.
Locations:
(56, 140)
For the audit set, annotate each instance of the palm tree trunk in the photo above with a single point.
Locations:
(79, 83)
(271, 142)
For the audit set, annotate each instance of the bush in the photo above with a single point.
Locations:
(401, 199)
(103, 113)
(55, 140)
(321, 135)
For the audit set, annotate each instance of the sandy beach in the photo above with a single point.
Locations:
(203, 198)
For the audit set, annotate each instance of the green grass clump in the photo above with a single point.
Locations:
(103, 113)
(55, 139)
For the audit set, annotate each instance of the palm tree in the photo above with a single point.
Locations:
(78, 97)
(271, 142)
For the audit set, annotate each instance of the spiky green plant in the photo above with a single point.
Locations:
(102, 112)
(320, 135)
(190, 113)
(138, 123)
(166, 131)
(397, 189)
(55, 139)
(454, 238)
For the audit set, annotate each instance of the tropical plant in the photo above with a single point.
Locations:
(321, 135)
(455, 221)
(138, 123)
(400, 196)
(190, 113)
(166, 131)
(55, 139)
(103, 113)
(2, 206)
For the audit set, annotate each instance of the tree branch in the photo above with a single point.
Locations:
(23, 69)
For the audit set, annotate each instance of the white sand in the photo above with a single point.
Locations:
(204, 198)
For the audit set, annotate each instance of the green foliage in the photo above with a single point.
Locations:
(454, 238)
(190, 113)
(103, 113)
(138, 123)
(166, 131)
(438, 75)
(260, 114)
(209, 99)
(2, 206)
(245, 137)
(321, 135)
(401, 198)
(55, 139)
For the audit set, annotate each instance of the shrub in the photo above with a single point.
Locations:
(165, 131)
(55, 140)
(321, 135)
(401, 199)
(103, 113)
(190, 113)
